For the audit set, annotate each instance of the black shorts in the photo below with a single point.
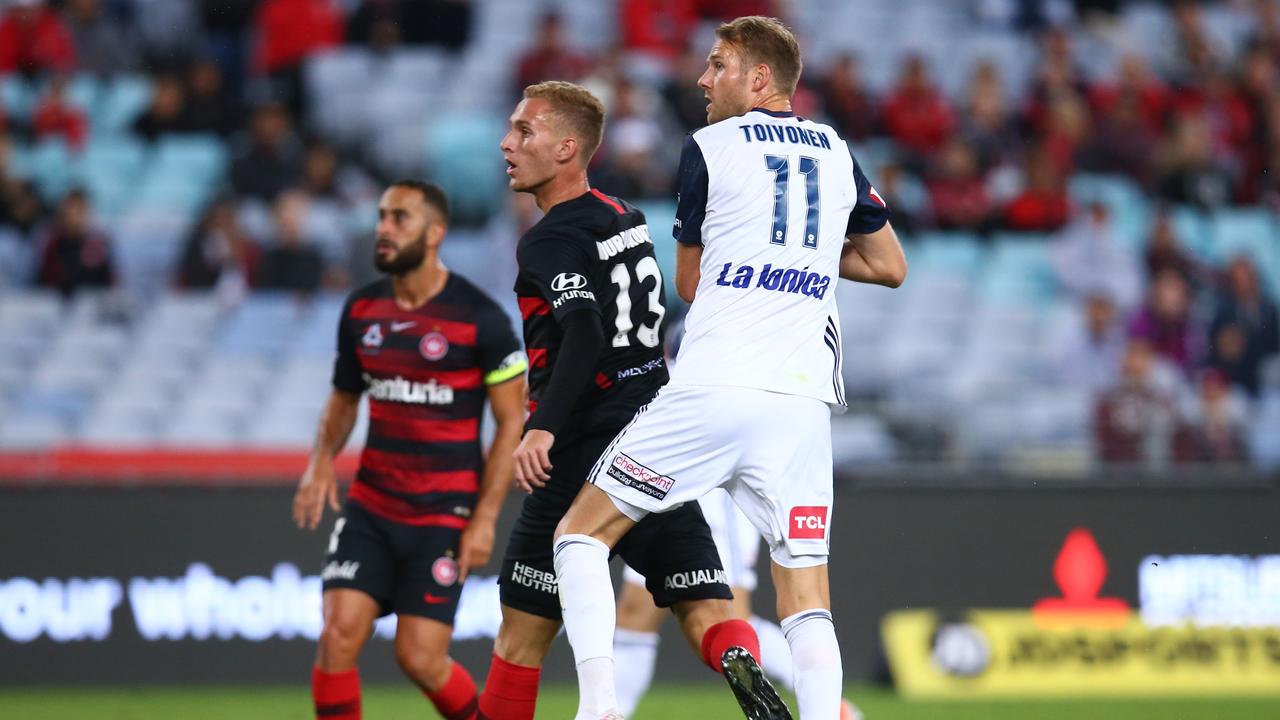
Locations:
(672, 550)
(406, 569)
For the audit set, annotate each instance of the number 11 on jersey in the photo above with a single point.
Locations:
(780, 166)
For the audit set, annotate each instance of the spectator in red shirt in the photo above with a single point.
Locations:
(55, 117)
(1134, 85)
(289, 31)
(916, 114)
(1215, 99)
(1121, 142)
(850, 104)
(550, 58)
(1043, 205)
(33, 39)
(658, 27)
(74, 253)
(1066, 130)
(957, 190)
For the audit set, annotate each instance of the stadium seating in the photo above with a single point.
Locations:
(462, 156)
(959, 351)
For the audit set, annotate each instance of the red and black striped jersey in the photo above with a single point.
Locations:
(426, 371)
(594, 252)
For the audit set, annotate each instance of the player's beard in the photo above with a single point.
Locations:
(406, 260)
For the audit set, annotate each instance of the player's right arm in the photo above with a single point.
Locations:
(688, 270)
(319, 481)
(691, 209)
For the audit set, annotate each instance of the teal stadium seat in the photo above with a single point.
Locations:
(110, 169)
(661, 217)
(121, 101)
(1019, 271)
(1252, 232)
(50, 165)
(1194, 232)
(1130, 210)
(463, 158)
(85, 91)
(184, 173)
(948, 253)
(17, 96)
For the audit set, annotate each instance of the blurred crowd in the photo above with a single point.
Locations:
(1174, 371)
(1174, 349)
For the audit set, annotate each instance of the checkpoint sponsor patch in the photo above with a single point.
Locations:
(627, 471)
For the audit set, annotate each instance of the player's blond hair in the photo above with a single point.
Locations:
(578, 112)
(763, 40)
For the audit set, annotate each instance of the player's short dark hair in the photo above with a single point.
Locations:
(581, 113)
(766, 41)
(432, 194)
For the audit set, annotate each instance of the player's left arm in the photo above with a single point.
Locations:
(875, 258)
(561, 268)
(871, 252)
(574, 369)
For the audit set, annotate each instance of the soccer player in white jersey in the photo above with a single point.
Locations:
(773, 210)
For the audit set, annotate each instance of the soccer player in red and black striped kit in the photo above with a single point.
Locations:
(428, 348)
(591, 294)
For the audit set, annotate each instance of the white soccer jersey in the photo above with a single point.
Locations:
(770, 197)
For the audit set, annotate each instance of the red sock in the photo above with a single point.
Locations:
(456, 699)
(510, 692)
(336, 695)
(722, 636)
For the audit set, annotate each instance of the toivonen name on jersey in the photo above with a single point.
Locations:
(785, 133)
(625, 240)
(788, 280)
(397, 389)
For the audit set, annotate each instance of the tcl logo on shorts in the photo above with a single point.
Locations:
(808, 522)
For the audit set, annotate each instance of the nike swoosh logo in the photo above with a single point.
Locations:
(398, 326)
(435, 599)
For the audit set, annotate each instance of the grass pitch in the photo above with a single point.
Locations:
(693, 702)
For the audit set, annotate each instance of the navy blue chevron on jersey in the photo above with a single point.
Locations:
(426, 372)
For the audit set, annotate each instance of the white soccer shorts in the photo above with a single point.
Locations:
(770, 451)
(736, 539)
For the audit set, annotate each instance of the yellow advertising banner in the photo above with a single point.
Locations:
(985, 653)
